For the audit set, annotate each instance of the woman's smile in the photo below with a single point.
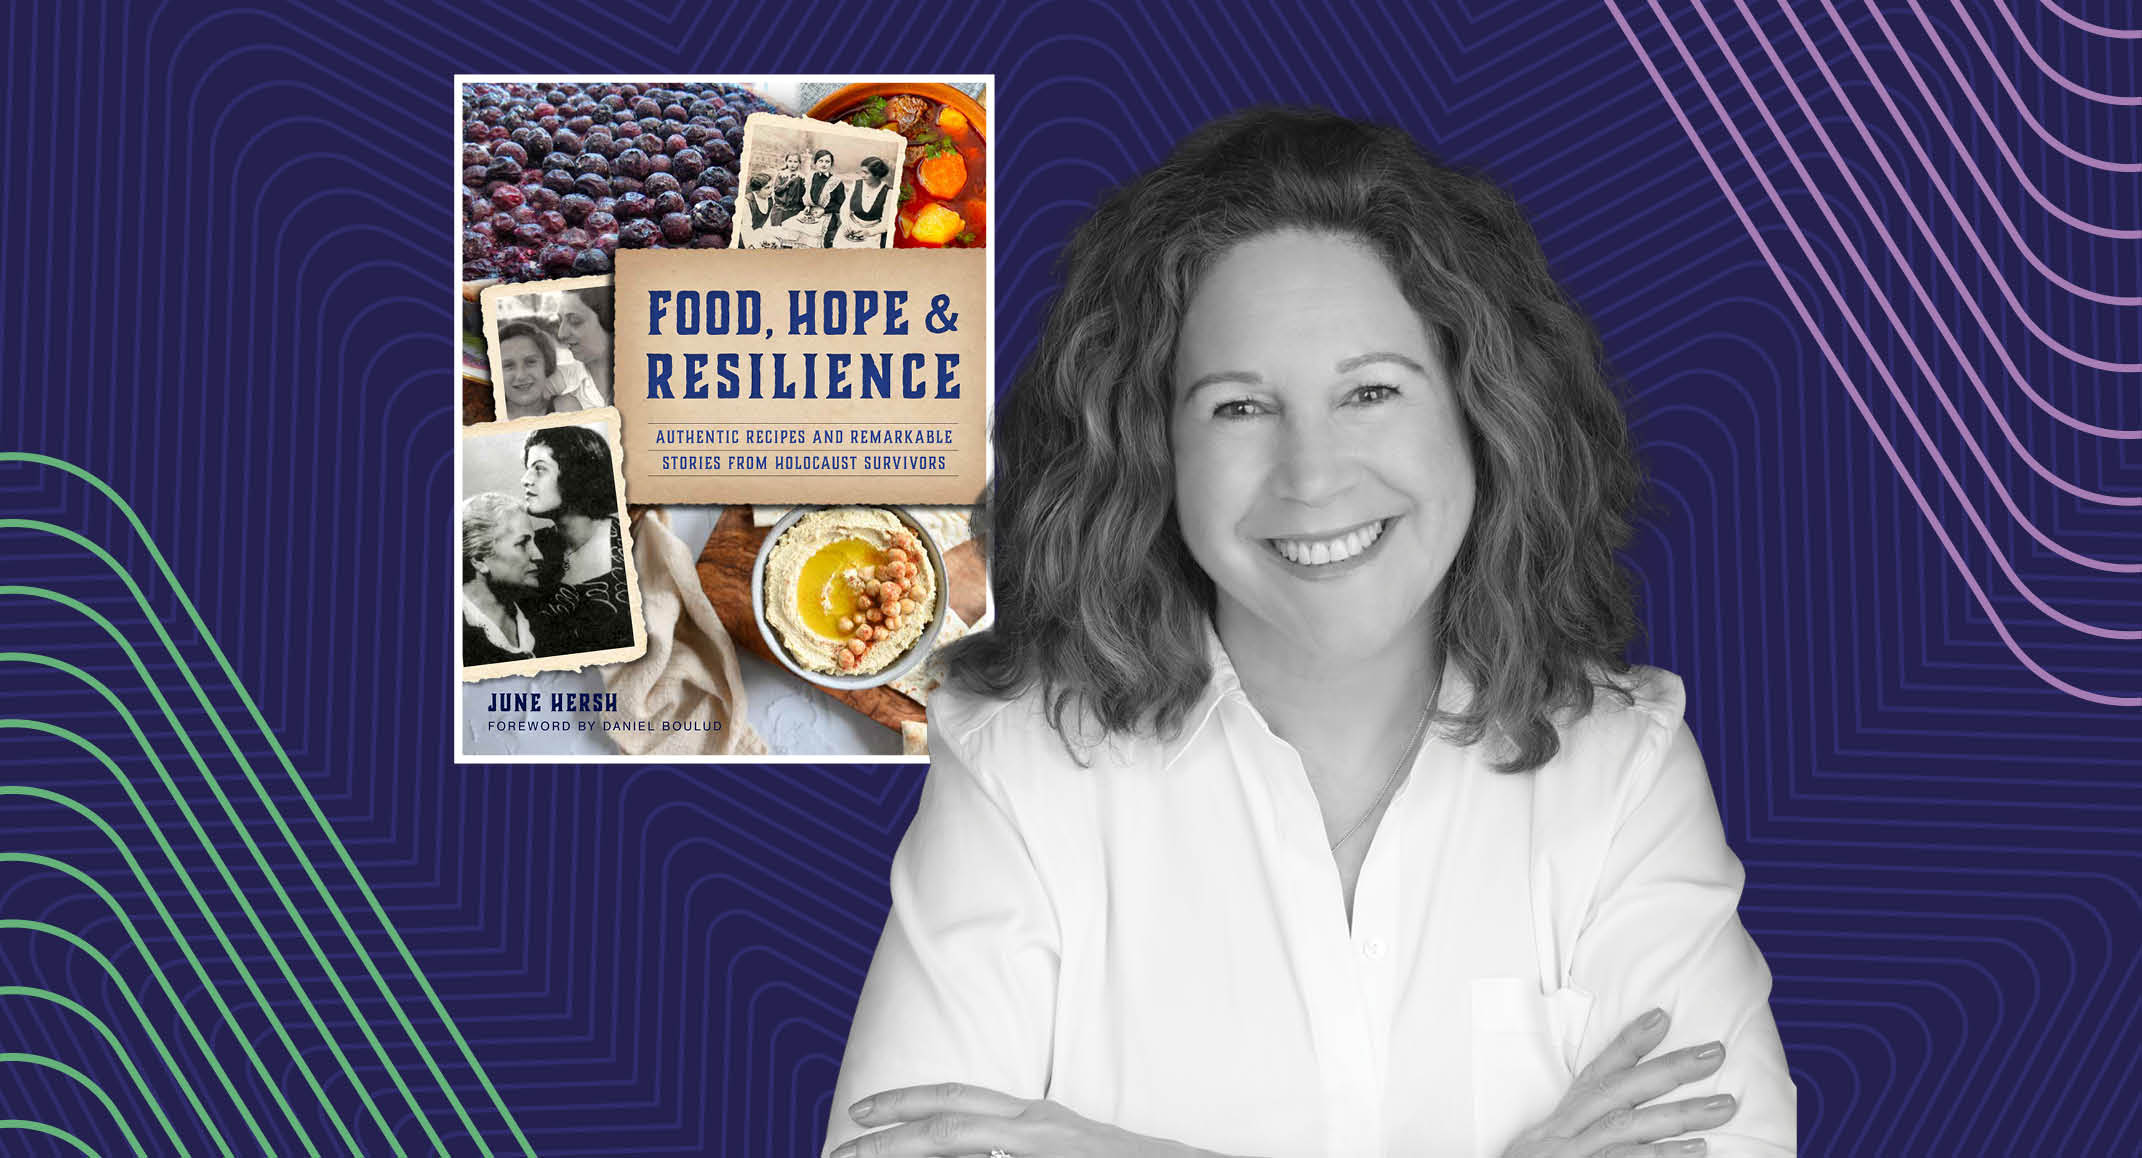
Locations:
(1328, 556)
(1323, 477)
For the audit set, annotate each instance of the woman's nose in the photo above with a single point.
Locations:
(1316, 463)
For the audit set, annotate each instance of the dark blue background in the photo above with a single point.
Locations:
(233, 245)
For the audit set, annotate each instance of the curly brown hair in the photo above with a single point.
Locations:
(1537, 610)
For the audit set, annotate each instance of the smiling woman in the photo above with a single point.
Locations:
(585, 324)
(1301, 800)
(1315, 435)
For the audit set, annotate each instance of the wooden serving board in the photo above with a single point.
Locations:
(725, 575)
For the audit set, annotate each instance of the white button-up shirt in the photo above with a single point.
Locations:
(1159, 941)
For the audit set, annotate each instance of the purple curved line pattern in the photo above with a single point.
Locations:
(2001, 75)
(1948, 545)
(2008, 223)
(2031, 50)
(1874, 223)
(2086, 26)
(1940, 256)
(1933, 111)
(1925, 162)
(1963, 154)
(1889, 311)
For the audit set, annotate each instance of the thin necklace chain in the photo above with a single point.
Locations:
(1413, 748)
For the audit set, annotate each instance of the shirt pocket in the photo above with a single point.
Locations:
(1523, 1042)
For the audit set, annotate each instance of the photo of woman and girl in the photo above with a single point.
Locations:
(551, 350)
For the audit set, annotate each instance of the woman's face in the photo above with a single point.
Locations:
(511, 565)
(1322, 476)
(527, 382)
(580, 331)
(790, 162)
(822, 164)
(539, 482)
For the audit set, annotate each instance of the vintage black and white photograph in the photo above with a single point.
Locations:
(547, 581)
(816, 185)
(550, 346)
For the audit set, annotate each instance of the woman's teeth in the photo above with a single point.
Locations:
(1320, 552)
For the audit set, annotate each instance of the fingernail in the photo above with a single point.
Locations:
(846, 1151)
(1653, 1019)
(858, 1111)
(1721, 1102)
(1711, 1052)
(1691, 1146)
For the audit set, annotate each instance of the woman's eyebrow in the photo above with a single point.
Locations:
(1223, 377)
(1360, 360)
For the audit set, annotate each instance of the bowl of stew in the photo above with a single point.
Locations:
(944, 180)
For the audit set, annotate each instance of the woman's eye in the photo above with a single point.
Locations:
(1376, 392)
(1239, 408)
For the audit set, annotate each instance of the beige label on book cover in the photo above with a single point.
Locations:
(803, 376)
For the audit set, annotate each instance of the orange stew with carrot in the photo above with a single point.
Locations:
(944, 195)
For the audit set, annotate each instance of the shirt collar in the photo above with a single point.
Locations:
(1222, 686)
(474, 617)
(1225, 686)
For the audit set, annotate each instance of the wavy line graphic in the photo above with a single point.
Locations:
(2015, 98)
(1865, 340)
(2031, 50)
(2086, 26)
(1970, 303)
(334, 1021)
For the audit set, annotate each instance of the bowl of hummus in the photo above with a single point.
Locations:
(849, 597)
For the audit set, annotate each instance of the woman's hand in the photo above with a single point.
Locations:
(952, 1120)
(1599, 1116)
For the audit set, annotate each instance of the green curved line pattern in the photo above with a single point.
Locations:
(96, 1091)
(222, 870)
(50, 1132)
(163, 982)
(237, 892)
(118, 1049)
(312, 807)
(215, 924)
(304, 930)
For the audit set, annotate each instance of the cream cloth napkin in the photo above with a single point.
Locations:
(689, 674)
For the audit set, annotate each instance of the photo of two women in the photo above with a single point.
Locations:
(546, 579)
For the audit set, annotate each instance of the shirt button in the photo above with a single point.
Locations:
(1373, 949)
